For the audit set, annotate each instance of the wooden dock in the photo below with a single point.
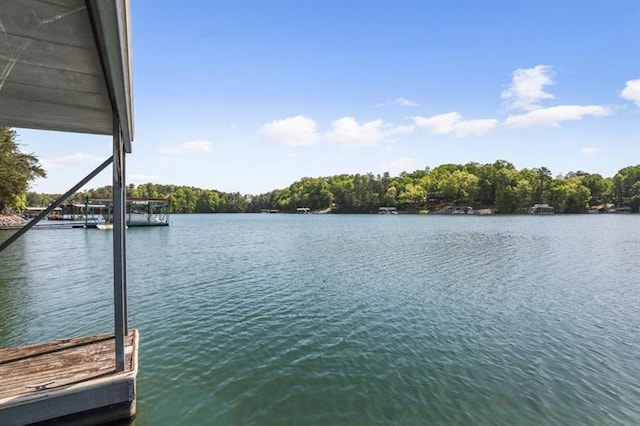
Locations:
(73, 381)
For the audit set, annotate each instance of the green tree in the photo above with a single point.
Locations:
(390, 195)
(342, 188)
(598, 186)
(17, 170)
(486, 190)
(542, 185)
(35, 199)
(412, 195)
(624, 190)
(569, 195)
(458, 186)
(317, 192)
(507, 196)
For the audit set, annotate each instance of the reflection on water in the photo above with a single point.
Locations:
(279, 319)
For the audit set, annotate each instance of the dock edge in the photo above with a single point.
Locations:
(95, 401)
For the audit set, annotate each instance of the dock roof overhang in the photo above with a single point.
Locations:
(65, 65)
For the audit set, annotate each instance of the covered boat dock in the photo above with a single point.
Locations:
(139, 211)
(65, 66)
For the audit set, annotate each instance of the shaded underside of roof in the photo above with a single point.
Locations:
(64, 65)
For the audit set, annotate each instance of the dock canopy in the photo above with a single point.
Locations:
(65, 65)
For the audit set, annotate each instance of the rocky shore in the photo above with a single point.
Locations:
(11, 221)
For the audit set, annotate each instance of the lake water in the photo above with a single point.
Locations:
(354, 319)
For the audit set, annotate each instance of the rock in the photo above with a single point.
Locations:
(11, 221)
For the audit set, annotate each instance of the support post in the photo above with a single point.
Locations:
(124, 245)
(119, 260)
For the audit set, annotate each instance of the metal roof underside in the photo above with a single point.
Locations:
(65, 65)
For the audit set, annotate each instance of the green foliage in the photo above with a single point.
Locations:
(598, 187)
(42, 200)
(569, 195)
(625, 189)
(17, 170)
(20, 203)
(499, 185)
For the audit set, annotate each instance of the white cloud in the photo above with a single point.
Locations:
(405, 102)
(402, 101)
(402, 164)
(438, 124)
(399, 130)
(138, 178)
(475, 127)
(452, 122)
(348, 132)
(77, 159)
(590, 152)
(293, 131)
(631, 91)
(552, 116)
(188, 147)
(527, 87)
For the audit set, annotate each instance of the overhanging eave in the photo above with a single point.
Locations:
(65, 66)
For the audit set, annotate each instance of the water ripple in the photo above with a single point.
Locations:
(277, 319)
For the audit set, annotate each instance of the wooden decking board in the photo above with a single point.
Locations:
(15, 354)
(65, 367)
(65, 362)
(73, 357)
(59, 374)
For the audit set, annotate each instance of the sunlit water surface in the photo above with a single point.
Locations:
(362, 319)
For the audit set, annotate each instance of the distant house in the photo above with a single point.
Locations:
(462, 210)
(387, 210)
(485, 212)
(602, 208)
(542, 209)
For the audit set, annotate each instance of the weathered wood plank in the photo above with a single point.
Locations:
(46, 367)
(11, 354)
(26, 369)
(64, 356)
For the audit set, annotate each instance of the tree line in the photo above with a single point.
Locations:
(496, 185)
(17, 169)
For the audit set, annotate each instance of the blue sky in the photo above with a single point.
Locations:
(250, 96)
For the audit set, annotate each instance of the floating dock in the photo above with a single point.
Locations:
(73, 380)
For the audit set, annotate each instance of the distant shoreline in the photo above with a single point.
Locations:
(14, 222)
